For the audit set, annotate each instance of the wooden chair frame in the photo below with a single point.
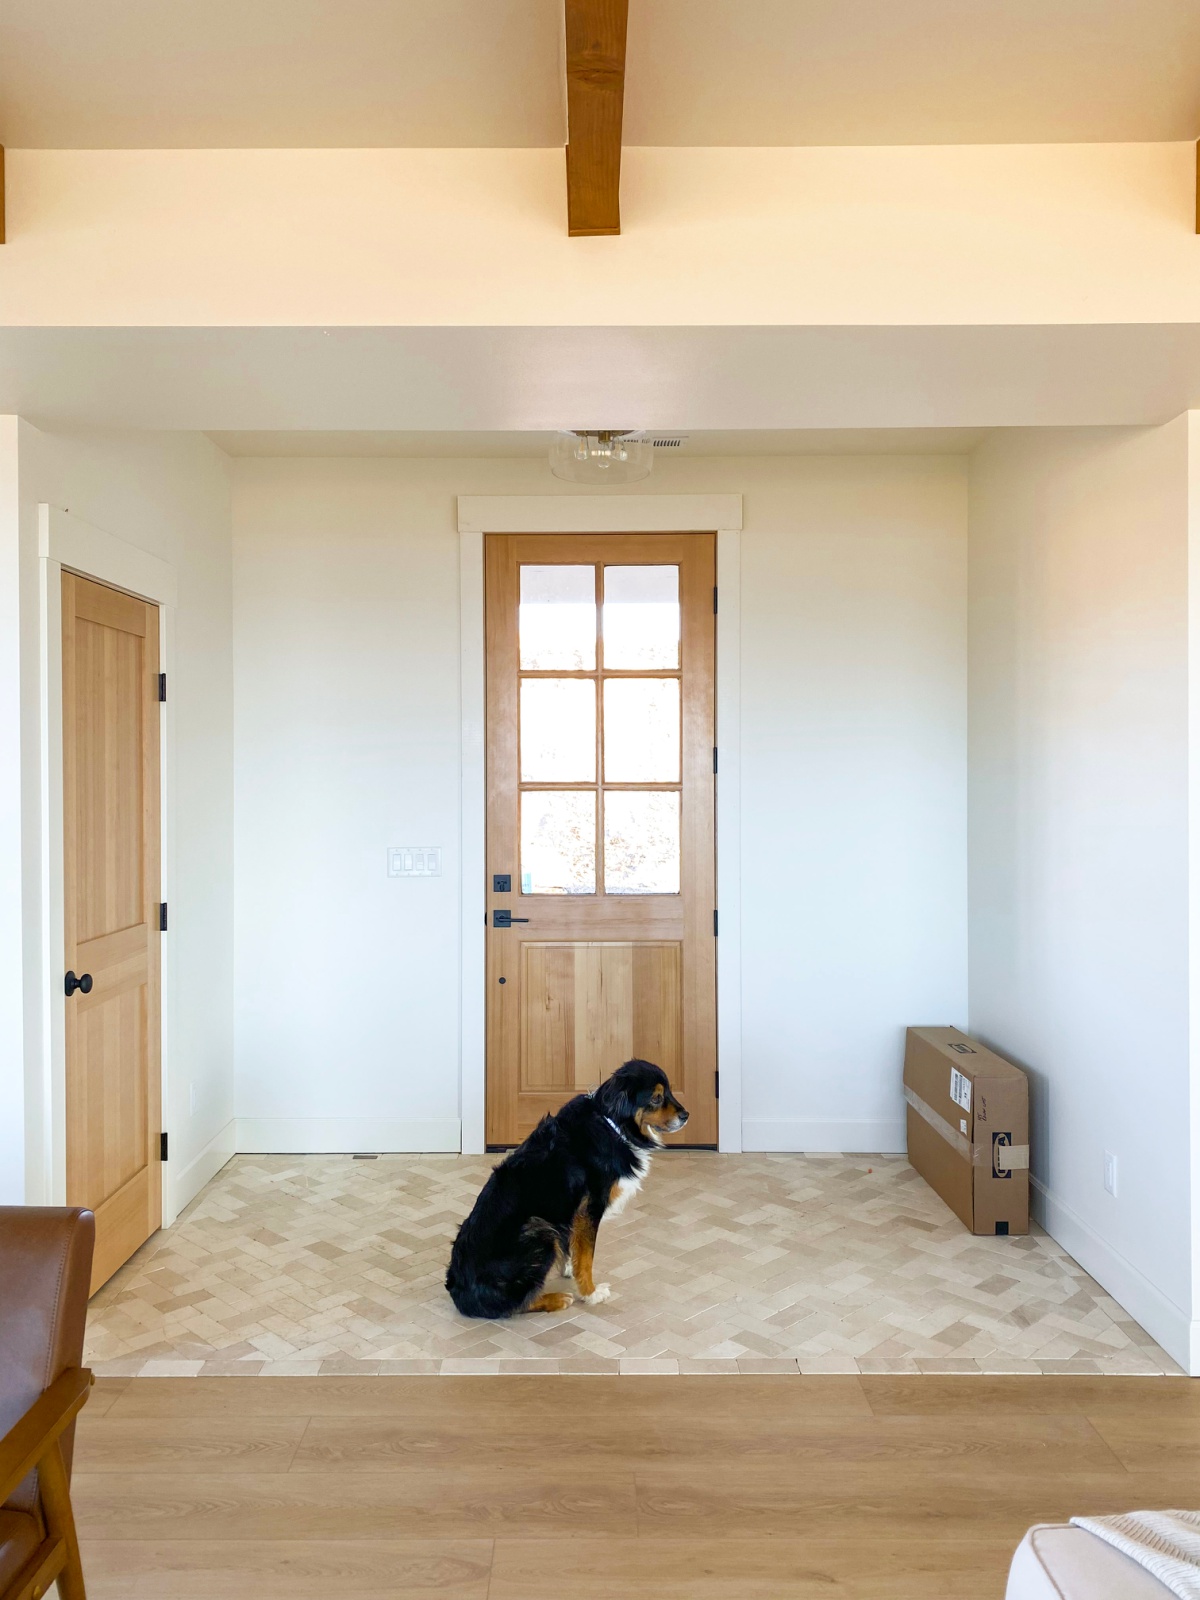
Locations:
(34, 1445)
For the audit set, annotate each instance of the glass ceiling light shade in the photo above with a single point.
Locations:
(601, 455)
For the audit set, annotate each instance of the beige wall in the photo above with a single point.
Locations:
(936, 235)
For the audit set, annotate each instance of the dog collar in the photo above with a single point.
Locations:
(615, 1129)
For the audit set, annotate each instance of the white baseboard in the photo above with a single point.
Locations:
(182, 1187)
(1160, 1316)
(346, 1136)
(884, 1137)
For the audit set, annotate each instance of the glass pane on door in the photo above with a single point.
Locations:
(641, 841)
(641, 617)
(558, 730)
(558, 841)
(557, 619)
(641, 730)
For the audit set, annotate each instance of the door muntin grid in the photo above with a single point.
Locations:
(599, 663)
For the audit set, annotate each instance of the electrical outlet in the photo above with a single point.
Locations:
(191, 1099)
(1110, 1173)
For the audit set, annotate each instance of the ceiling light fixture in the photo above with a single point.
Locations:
(601, 455)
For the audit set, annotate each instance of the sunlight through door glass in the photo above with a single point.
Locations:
(641, 841)
(558, 841)
(641, 617)
(641, 730)
(558, 730)
(557, 619)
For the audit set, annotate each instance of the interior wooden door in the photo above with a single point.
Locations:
(600, 815)
(111, 914)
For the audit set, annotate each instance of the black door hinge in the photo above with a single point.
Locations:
(162, 1147)
(162, 916)
(714, 924)
(717, 1084)
(714, 758)
(714, 599)
(162, 686)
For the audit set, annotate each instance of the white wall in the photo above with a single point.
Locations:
(347, 740)
(853, 790)
(1078, 835)
(12, 909)
(169, 495)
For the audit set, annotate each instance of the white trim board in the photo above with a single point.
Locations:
(600, 513)
(79, 546)
(322, 1136)
(204, 1166)
(66, 541)
(1167, 1322)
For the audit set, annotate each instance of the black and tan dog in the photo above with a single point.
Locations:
(541, 1207)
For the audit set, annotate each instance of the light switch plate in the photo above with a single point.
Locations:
(414, 861)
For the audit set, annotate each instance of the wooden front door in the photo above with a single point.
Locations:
(111, 914)
(600, 819)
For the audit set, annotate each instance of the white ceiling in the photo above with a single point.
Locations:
(515, 380)
(218, 73)
(764, 442)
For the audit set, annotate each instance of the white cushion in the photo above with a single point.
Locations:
(1058, 1562)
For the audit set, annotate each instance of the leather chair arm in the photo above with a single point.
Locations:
(24, 1445)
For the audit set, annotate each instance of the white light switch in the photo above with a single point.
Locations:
(414, 861)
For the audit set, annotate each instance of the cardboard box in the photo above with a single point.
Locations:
(968, 1128)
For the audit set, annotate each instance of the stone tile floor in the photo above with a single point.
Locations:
(723, 1264)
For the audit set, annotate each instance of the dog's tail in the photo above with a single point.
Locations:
(505, 1284)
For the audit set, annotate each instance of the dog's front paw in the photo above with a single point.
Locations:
(600, 1292)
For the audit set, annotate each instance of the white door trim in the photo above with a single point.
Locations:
(601, 513)
(67, 541)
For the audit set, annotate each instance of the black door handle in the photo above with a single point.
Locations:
(505, 919)
(72, 983)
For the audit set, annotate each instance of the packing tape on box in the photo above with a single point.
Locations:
(999, 1157)
(1003, 1157)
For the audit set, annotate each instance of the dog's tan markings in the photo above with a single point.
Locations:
(655, 1116)
(550, 1302)
(614, 1194)
(583, 1249)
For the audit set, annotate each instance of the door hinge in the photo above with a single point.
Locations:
(717, 1084)
(714, 599)
(162, 686)
(714, 924)
(714, 758)
(162, 1147)
(162, 916)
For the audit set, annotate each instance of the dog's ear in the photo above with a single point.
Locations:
(617, 1099)
(627, 1091)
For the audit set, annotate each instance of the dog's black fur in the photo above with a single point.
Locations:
(521, 1225)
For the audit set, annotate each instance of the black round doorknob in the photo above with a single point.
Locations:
(84, 983)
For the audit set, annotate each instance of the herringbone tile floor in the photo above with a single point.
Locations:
(752, 1263)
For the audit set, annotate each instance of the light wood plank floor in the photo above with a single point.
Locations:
(527, 1488)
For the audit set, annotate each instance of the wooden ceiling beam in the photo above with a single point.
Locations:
(595, 38)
